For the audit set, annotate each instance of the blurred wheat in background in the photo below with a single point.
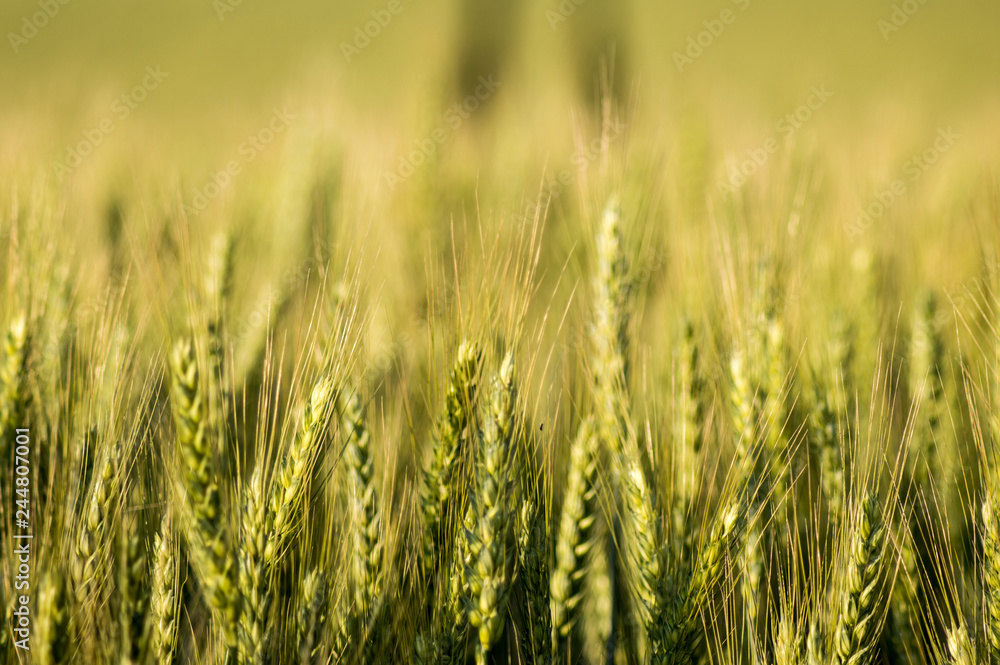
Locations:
(459, 331)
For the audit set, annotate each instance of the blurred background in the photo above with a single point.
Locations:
(230, 62)
(405, 114)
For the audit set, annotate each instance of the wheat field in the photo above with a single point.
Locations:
(460, 332)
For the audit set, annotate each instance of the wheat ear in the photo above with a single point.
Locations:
(52, 646)
(903, 603)
(533, 566)
(824, 429)
(960, 646)
(862, 604)
(439, 480)
(164, 599)
(743, 406)
(753, 570)
(644, 548)
(991, 574)
(12, 388)
(489, 577)
(311, 618)
(211, 551)
(609, 334)
(692, 415)
(90, 544)
(217, 283)
(575, 530)
(789, 647)
(133, 589)
(357, 628)
(293, 474)
(253, 575)
(816, 645)
(683, 636)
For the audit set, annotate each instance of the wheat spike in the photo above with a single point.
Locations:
(862, 604)
(439, 479)
(682, 637)
(293, 474)
(211, 550)
(489, 576)
(53, 644)
(12, 379)
(91, 545)
(960, 646)
(133, 589)
(574, 540)
(311, 618)
(253, 575)
(991, 574)
(533, 567)
(789, 647)
(165, 598)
